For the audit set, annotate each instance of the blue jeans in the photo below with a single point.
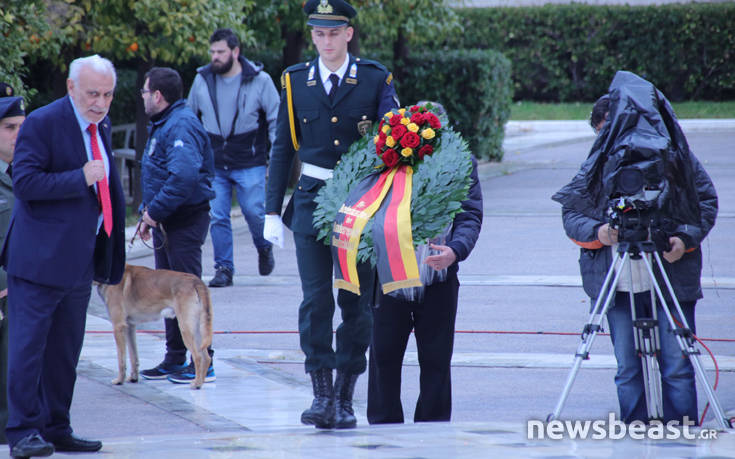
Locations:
(249, 185)
(677, 374)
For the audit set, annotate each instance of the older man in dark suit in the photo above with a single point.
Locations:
(67, 229)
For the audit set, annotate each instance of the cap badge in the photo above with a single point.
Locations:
(324, 7)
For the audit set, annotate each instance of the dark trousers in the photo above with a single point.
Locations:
(46, 331)
(432, 321)
(317, 310)
(3, 369)
(181, 250)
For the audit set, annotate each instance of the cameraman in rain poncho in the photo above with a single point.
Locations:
(641, 131)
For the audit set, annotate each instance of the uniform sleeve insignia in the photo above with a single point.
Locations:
(389, 79)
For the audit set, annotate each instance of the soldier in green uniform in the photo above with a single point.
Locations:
(12, 114)
(326, 104)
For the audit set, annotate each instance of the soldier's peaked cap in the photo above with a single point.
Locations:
(328, 13)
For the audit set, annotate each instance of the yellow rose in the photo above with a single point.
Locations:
(388, 115)
(428, 133)
(407, 152)
(413, 127)
(386, 129)
(401, 111)
(390, 141)
(405, 121)
(376, 138)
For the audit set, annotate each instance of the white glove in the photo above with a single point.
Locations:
(273, 230)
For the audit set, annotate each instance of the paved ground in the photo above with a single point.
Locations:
(521, 309)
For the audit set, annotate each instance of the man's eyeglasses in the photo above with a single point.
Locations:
(144, 90)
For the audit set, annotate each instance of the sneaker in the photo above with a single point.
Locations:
(266, 263)
(186, 375)
(162, 370)
(222, 278)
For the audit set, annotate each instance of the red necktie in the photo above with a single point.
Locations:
(103, 188)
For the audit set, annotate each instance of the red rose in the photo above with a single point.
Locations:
(380, 125)
(382, 135)
(414, 109)
(425, 150)
(410, 140)
(418, 118)
(433, 120)
(390, 157)
(395, 120)
(379, 146)
(398, 131)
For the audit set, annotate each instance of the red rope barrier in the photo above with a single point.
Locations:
(478, 332)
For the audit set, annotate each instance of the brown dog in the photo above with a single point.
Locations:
(145, 295)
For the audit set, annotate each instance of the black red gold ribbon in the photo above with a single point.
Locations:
(387, 197)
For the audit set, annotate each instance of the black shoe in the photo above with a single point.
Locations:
(32, 445)
(266, 263)
(188, 374)
(74, 444)
(321, 412)
(344, 387)
(162, 370)
(222, 278)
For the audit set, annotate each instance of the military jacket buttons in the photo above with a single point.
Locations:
(334, 119)
(336, 142)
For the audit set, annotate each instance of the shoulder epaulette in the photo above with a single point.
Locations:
(293, 69)
(377, 65)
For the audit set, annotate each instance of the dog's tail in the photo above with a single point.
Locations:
(205, 319)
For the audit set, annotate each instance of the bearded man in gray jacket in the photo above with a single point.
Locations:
(238, 104)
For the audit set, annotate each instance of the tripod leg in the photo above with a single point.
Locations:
(645, 331)
(591, 328)
(685, 340)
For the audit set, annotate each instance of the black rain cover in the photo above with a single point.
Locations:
(641, 129)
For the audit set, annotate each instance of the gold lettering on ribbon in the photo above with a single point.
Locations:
(354, 212)
(340, 244)
(341, 229)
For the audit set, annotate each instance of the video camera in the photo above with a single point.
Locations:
(634, 202)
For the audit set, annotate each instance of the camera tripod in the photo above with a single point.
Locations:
(645, 331)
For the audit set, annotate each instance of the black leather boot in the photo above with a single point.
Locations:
(321, 413)
(344, 387)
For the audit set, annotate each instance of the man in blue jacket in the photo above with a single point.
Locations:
(177, 172)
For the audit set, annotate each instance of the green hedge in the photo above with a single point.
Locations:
(571, 52)
(473, 85)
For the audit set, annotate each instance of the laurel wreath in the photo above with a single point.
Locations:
(440, 184)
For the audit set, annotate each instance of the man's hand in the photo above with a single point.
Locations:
(94, 171)
(144, 231)
(677, 249)
(146, 225)
(607, 235)
(443, 259)
(273, 229)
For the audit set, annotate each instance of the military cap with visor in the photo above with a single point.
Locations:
(329, 13)
(10, 106)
